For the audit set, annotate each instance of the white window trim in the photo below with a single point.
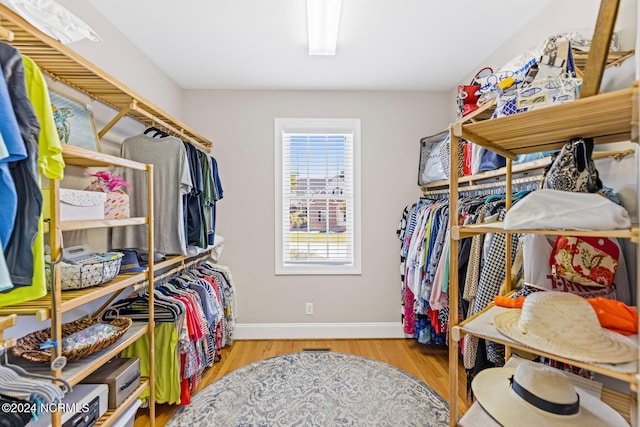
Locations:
(307, 125)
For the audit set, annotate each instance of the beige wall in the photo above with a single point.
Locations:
(241, 124)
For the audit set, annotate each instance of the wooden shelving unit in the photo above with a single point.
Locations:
(606, 117)
(63, 64)
(610, 117)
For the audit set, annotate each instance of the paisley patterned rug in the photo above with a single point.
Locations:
(315, 388)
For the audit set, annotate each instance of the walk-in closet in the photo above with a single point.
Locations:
(319, 213)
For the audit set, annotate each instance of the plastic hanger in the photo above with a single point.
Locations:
(24, 373)
(494, 197)
(151, 129)
(10, 381)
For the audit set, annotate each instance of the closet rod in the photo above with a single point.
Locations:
(462, 189)
(187, 138)
(522, 168)
(134, 107)
(145, 284)
(181, 267)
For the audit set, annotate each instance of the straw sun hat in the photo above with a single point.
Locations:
(528, 396)
(564, 324)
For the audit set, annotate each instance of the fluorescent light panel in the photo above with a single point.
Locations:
(323, 22)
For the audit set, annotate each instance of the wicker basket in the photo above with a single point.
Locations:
(86, 275)
(28, 347)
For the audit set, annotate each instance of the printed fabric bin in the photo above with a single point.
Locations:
(81, 205)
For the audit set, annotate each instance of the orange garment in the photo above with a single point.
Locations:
(502, 301)
(612, 314)
(615, 315)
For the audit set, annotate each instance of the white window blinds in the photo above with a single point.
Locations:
(317, 201)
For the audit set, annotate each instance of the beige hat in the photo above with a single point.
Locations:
(564, 324)
(534, 395)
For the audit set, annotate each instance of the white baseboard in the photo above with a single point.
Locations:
(258, 331)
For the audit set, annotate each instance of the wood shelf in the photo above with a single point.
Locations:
(78, 370)
(101, 223)
(613, 58)
(520, 168)
(178, 261)
(78, 156)
(481, 325)
(464, 231)
(41, 307)
(607, 118)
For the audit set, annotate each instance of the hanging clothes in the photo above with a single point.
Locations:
(167, 368)
(24, 252)
(212, 193)
(172, 180)
(12, 149)
(193, 214)
(19, 252)
(202, 300)
(422, 230)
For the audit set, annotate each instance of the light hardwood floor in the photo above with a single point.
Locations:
(426, 362)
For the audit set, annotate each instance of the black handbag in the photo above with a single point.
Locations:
(573, 169)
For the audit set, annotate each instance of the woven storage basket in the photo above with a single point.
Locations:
(28, 347)
(87, 275)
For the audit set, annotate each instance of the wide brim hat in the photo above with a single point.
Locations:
(495, 394)
(567, 325)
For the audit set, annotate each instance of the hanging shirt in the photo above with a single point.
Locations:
(195, 231)
(13, 149)
(50, 164)
(167, 366)
(19, 250)
(171, 180)
(50, 161)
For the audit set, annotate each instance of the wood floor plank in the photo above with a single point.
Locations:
(429, 363)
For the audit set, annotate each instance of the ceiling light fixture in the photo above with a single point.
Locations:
(323, 22)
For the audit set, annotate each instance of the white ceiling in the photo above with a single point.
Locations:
(262, 44)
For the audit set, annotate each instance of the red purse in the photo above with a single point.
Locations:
(467, 97)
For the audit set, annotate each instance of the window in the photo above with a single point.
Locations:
(317, 196)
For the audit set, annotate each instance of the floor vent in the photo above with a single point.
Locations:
(317, 349)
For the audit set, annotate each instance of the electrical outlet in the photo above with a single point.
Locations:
(308, 308)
